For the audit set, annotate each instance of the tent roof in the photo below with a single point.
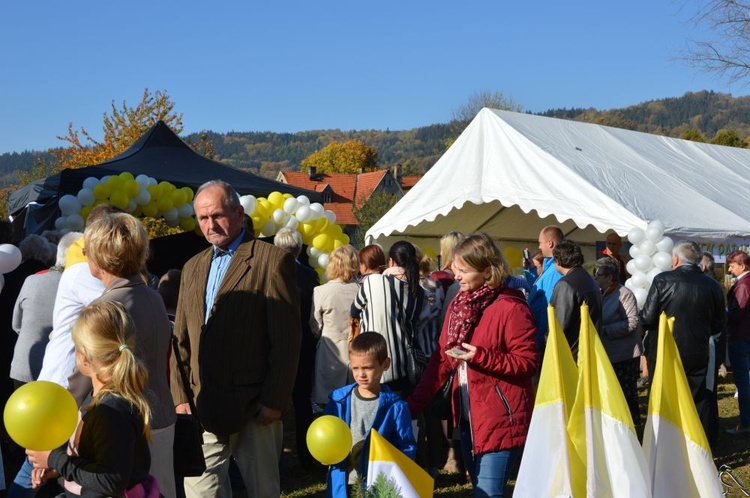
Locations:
(586, 178)
(161, 154)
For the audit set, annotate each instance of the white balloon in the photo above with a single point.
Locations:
(90, 183)
(61, 222)
(663, 261)
(331, 216)
(69, 204)
(172, 214)
(630, 267)
(312, 261)
(636, 235)
(303, 213)
(172, 222)
(302, 199)
(292, 222)
(142, 180)
(647, 248)
(279, 217)
(186, 210)
(249, 204)
(655, 230)
(143, 197)
(323, 260)
(151, 181)
(665, 245)
(318, 210)
(652, 273)
(643, 263)
(86, 197)
(75, 222)
(313, 252)
(633, 251)
(640, 296)
(131, 206)
(629, 283)
(290, 205)
(268, 230)
(10, 258)
(639, 280)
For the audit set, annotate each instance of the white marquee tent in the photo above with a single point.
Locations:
(509, 174)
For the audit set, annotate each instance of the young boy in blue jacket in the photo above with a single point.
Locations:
(367, 405)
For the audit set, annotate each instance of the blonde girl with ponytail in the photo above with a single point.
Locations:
(108, 455)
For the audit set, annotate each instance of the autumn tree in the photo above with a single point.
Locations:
(371, 211)
(482, 99)
(693, 134)
(350, 156)
(729, 138)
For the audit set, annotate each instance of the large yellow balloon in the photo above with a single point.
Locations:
(323, 242)
(40, 415)
(101, 191)
(276, 199)
(119, 199)
(329, 439)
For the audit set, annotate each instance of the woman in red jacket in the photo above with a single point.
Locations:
(488, 349)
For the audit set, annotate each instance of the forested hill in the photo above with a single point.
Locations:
(700, 114)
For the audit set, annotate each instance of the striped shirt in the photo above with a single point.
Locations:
(388, 308)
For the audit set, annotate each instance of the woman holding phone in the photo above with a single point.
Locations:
(488, 348)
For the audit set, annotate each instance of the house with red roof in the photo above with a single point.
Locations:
(344, 193)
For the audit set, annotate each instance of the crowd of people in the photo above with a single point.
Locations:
(257, 332)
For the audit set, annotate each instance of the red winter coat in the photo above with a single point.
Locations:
(501, 396)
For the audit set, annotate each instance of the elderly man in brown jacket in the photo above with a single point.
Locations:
(238, 328)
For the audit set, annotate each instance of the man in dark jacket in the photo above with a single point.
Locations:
(575, 288)
(696, 301)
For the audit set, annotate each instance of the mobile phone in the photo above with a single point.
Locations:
(455, 352)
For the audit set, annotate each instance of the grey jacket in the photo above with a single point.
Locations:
(621, 331)
(32, 321)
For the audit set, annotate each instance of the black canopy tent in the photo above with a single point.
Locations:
(160, 154)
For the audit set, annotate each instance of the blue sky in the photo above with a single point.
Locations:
(295, 66)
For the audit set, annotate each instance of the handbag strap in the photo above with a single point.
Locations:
(183, 375)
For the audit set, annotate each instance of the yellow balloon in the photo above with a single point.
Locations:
(329, 440)
(321, 224)
(119, 199)
(307, 230)
(86, 211)
(187, 224)
(154, 191)
(40, 415)
(514, 256)
(189, 194)
(126, 176)
(276, 199)
(150, 209)
(164, 203)
(257, 222)
(101, 191)
(178, 197)
(115, 183)
(131, 187)
(323, 242)
(287, 196)
(264, 208)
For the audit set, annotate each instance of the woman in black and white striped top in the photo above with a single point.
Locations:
(392, 304)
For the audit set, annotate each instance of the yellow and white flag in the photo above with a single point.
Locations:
(547, 468)
(679, 458)
(601, 427)
(385, 458)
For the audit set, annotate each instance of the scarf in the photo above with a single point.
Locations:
(465, 312)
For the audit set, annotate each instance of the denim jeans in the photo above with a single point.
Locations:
(739, 357)
(21, 485)
(488, 471)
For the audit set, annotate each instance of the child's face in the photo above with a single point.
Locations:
(366, 369)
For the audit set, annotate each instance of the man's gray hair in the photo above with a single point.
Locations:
(66, 241)
(687, 253)
(608, 267)
(289, 240)
(36, 247)
(231, 197)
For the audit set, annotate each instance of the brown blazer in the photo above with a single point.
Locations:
(247, 353)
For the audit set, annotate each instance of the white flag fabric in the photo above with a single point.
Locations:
(678, 454)
(546, 469)
(384, 458)
(601, 427)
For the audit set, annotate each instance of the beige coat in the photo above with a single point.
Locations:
(329, 321)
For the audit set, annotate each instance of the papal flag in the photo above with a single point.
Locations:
(679, 458)
(411, 479)
(547, 468)
(601, 427)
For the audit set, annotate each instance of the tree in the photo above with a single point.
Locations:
(371, 211)
(726, 51)
(350, 156)
(693, 134)
(729, 138)
(484, 98)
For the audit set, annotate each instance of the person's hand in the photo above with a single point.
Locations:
(183, 408)
(267, 415)
(38, 458)
(471, 351)
(40, 476)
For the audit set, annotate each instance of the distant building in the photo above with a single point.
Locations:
(343, 193)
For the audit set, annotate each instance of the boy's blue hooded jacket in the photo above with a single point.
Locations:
(392, 421)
